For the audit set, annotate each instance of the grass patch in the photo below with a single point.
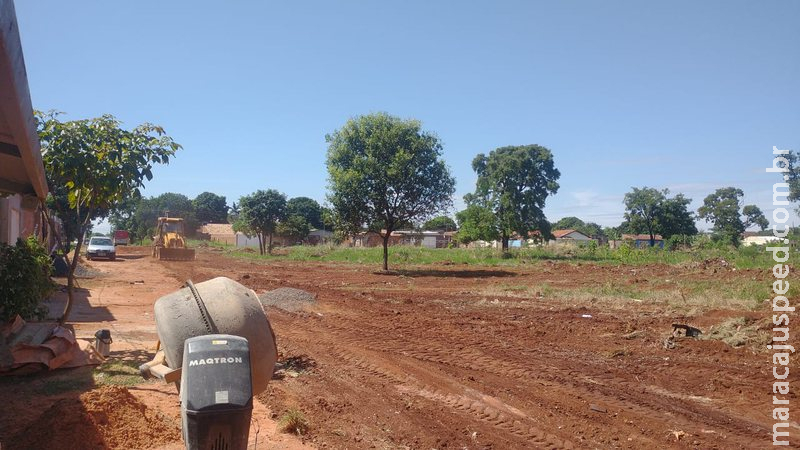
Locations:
(119, 373)
(293, 421)
(66, 382)
(738, 332)
(741, 258)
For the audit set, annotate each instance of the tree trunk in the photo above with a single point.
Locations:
(71, 281)
(260, 244)
(504, 239)
(269, 248)
(386, 251)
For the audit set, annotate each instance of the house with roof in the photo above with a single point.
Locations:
(572, 237)
(643, 240)
(23, 186)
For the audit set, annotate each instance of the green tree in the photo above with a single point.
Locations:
(122, 217)
(514, 183)
(569, 223)
(476, 223)
(593, 230)
(385, 171)
(92, 165)
(440, 223)
(210, 208)
(792, 173)
(723, 209)
(306, 208)
(753, 216)
(643, 208)
(140, 218)
(675, 218)
(294, 227)
(260, 213)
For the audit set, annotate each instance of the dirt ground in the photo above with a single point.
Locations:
(452, 356)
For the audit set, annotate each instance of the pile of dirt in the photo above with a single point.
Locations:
(109, 417)
(287, 299)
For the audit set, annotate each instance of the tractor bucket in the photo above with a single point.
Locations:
(175, 254)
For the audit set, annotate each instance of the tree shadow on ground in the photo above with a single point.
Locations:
(82, 308)
(126, 257)
(48, 410)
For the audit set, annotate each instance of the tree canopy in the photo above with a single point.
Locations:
(210, 208)
(385, 171)
(723, 209)
(306, 208)
(259, 214)
(294, 227)
(651, 211)
(92, 166)
(514, 183)
(476, 223)
(440, 223)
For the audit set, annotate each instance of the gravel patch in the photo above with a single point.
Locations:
(287, 299)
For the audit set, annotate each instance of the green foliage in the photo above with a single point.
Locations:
(643, 207)
(722, 208)
(569, 223)
(384, 172)
(440, 223)
(651, 212)
(676, 219)
(793, 172)
(260, 213)
(306, 208)
(514, 183)
(294, 227)
(476, 223)
(92, 166)
(754, 217)
(293, 421)
(24, 279)
(210, 208)
(139, 217)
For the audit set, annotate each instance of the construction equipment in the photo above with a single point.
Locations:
(218, 347)
(169, 244)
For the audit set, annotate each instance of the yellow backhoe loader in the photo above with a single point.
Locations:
(169, 243)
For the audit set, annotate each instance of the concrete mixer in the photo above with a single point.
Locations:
(217, 346)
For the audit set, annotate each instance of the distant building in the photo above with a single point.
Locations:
(223, 233)
(22, 178)
(570, 237)
(427, 239)
(760, 240)
(643, 240)
(317, 237)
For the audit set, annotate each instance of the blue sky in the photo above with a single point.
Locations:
(684, 95)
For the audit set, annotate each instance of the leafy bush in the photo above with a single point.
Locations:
(24, 279)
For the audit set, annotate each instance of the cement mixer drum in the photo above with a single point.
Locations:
(217, 306)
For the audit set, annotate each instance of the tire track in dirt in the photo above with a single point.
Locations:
(488, 410)
(610, 390)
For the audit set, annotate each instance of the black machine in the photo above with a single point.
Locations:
(216, 392)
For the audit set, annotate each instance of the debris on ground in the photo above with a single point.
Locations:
(287, 299)
(681, 330)
(27, 348)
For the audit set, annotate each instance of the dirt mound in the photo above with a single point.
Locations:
(105, 418)
(288, 299)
